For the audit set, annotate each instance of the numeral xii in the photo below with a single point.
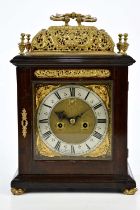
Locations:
(72, 91)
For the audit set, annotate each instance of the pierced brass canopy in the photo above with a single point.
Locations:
(67, 39)
(74, 39)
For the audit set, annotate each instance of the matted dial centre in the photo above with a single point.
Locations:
(73, 113)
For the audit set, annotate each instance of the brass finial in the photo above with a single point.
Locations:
(119, 44)
(79, 18)
(28, 44)
(122, 46)
(22, 44)
(125, 44)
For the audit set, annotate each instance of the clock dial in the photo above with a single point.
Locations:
(72, 120)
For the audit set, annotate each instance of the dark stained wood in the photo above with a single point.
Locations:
(73, 183)
(88, 61)
(73, 175)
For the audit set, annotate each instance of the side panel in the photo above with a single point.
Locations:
(24, 92)
(120, 119)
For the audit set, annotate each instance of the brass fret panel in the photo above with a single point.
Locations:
(72, 73)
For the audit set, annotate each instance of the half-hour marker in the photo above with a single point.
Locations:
(97, 106)
(72, 149)
(57, 146)
(43, 121)
(87, 95)
(101, 120)
(72, 91)
(57, 95)
(88, 146)
(47, 106)
(47, 134)
(97, 135)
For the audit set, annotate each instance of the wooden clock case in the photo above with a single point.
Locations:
(79, 175)
(47, 51)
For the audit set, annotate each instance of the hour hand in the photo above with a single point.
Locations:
(61, 115)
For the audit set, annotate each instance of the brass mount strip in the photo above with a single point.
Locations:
(24, 122)
(72, 73)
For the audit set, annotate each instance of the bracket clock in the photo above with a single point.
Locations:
(72, 110)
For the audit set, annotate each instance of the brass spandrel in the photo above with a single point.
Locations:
(42, 91)
(43, 150)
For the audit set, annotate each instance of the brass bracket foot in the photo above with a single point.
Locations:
(130, 191)
(16, 191)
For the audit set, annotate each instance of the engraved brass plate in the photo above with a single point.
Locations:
(72, 73)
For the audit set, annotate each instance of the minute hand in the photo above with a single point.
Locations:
(80, 115)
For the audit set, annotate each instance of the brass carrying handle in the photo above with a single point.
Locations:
(68, 16)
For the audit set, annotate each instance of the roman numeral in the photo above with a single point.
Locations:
(47, 106)
(47, 134)
(88, 146)
(57, 95)
(97, 106)
(43, 121)
(87, 95)
(97, 135)
(72, 149)
(72, 91)
(57, 146)
(101, 120)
